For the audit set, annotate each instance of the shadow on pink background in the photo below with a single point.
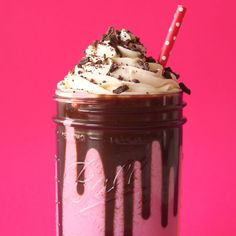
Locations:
(41, 40)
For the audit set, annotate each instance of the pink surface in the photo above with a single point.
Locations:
(42, 40)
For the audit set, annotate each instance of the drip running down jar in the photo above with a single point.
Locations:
(118, 165)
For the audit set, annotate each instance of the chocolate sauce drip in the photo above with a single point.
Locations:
(61, 151)
(146, 181)
(114, 154)
(176, 191)
(170, 143)
(110, 207)
(128, 199)
(120, 154)
(165, 181)
(123, 147)
(177, 171)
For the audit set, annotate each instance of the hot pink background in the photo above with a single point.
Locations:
(41, 40)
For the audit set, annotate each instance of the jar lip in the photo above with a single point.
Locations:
(103, 97)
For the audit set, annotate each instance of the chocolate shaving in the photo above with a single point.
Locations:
(120, 89)
(110, 31)
(167, 73)
(93, 81)
(113, 36)
(99, 62)
(113, 67)
(84, 61)
(120, 77)
(184, 88)
(131, 45)
(114, 43)
(107, 36)
(95, 43)
(150, 59)
(135, 81)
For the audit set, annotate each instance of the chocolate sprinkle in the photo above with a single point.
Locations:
(113, 36)
(110, 31)
(120, 77)
(150, 59)
(120, 89)
(167, 73)
(98, 62)
(113, 67)
(84, 61)
(135, 81)
(114, 44)
(93, 81)
(184, 88)
(107, 35)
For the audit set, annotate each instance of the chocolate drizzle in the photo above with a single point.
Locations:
(123, 147)
(170, 144)
(111, 160)
(126, 156)
(60, 159)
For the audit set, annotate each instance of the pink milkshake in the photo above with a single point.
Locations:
(119, 137)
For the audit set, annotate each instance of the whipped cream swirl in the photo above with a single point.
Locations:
(117, 64)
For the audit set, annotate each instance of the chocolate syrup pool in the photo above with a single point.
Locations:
(118, 165)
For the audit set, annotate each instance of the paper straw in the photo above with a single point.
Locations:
(172, 35)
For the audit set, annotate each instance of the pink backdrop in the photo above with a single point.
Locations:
(41, 40)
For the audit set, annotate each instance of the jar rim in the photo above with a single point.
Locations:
(85, 97)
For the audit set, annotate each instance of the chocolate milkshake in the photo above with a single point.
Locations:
(119, 137)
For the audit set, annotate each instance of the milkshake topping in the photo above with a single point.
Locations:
(117, 64)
